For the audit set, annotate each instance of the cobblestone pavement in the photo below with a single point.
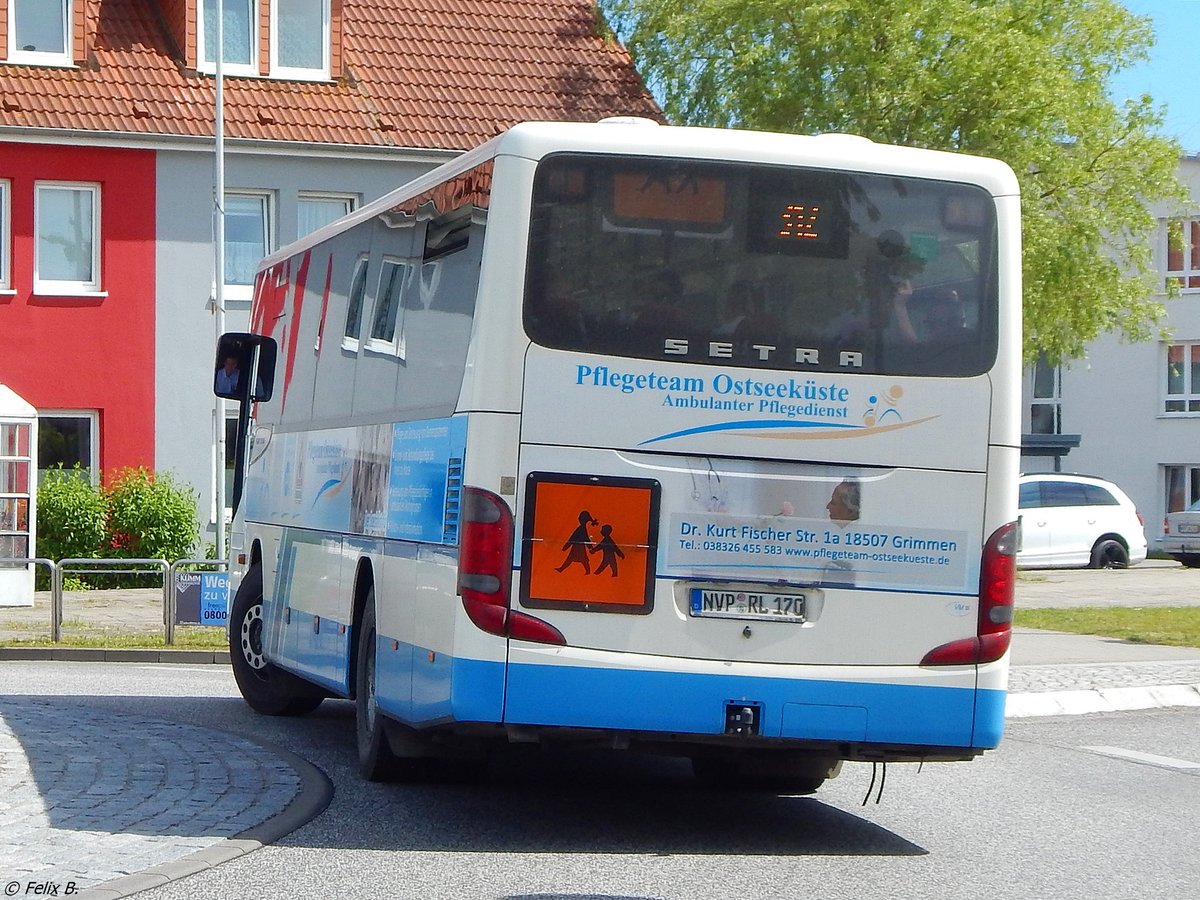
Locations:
(92, 796)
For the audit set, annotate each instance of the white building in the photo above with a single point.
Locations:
(1135, 408)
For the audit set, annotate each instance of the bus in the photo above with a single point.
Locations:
(693, 441)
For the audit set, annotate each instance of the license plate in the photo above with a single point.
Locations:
(741, 604)
(1185, 528)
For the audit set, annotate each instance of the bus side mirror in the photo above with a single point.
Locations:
(245, 361)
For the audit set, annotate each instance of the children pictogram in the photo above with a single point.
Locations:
(579, 543)
(578, 527)
(609, 550)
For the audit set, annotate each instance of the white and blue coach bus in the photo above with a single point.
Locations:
(694, 441)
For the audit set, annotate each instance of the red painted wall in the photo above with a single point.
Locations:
(85, 352)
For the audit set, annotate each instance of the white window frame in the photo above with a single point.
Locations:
(65, 287)
(347, 202)
(395, 345)
(351, 342)
(245, 292)
(1187, 276)
(40, 57)
(5, 236)
(93, 419)
(296, 73)
(209, 67)
(1190, 395)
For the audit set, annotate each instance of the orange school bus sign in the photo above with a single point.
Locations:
(590, 543)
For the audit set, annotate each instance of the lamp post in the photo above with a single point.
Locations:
(219, 266)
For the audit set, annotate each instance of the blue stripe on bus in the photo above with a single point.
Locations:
(695, 703)
(419, 690)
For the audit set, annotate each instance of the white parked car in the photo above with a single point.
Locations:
(1181, 535)
(1078, 520)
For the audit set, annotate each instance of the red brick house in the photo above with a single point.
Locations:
(107, 164)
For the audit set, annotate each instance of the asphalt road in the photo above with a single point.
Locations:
(1042, 817)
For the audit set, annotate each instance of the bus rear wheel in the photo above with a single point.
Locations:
(265, 687)
(376, 761)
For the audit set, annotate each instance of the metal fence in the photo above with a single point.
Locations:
(168, 572)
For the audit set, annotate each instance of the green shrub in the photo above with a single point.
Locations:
(149, 517)
(71, 516)
(135, 515)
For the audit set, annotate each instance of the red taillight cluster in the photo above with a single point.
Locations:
(997, 584)
(485, 552)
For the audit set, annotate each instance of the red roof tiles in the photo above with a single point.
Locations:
(430, 74)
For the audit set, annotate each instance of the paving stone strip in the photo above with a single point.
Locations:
(92, 796)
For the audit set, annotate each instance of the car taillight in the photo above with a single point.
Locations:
(997, 586)
(485, 552)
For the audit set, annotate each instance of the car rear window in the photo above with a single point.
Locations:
(1098, 496)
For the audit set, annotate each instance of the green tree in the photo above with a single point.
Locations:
(1025, 81)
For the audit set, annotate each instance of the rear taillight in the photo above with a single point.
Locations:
(997, 584)
(485, 552)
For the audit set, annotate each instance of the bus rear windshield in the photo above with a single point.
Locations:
(761, 266)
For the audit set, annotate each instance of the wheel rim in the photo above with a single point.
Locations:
(251, 638)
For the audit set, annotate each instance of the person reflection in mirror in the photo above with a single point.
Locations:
(229, 375)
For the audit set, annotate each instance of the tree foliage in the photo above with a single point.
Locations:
(1025, 81)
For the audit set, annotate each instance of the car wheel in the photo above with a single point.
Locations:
(1191, 560)
(265, 687)
(1110, 554)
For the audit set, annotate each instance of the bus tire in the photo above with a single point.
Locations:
(265, 687)
(1110, 554)
(376, 760)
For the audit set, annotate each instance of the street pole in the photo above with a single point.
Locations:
(219, 266)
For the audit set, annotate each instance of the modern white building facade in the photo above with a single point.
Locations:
(1135, 407)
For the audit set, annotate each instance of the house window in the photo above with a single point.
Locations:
(68, 438)
(1045, 410)
(247, 239)
(315, 211)
(240, 36)
(1183, 379)
(5, 237)
(1182, 487)
(15, 489)
(66, 256)
(354, 306)
(300, 38)
(38, 31)
(1183, 253)
(392, 275)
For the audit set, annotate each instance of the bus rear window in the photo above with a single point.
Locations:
(764, 267)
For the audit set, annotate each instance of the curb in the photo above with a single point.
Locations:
(1074, 703)
(315, 794)
(102, 654)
